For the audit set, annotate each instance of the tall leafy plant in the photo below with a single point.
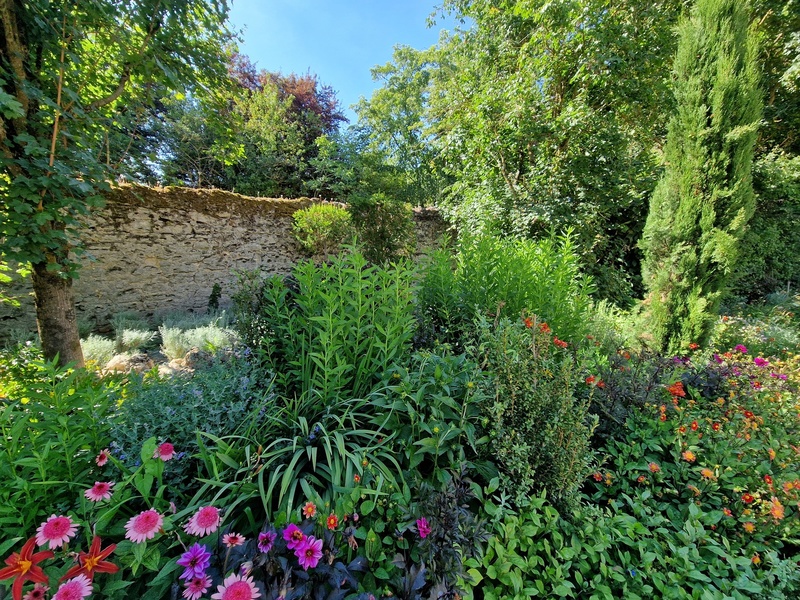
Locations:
(701, 206)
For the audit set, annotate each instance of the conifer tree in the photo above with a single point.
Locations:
(701, 205)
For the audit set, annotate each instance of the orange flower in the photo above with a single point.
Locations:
(641, 479)
(676, 389)
(309, 510)
(715, 426)
(357, 478)
(590, 380)
(332, 522)
(747, 498)
(654, 468)
(601, 384)
(544, 328)
(776, 509)
(727, 512)
(749, 526)
(788, 486)
(768, 479)
(756, 559)
(560, 343)
(771, 453)
(707, 474)
(682, 429)
(694, 426)
(693, 346)
(662, 417)
(597, 476)
(528, 322)
(688, 456)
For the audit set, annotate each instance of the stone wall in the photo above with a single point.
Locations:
(158, 250)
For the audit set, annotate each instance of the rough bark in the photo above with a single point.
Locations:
(55, 316)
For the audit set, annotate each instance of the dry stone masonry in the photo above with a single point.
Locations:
(157, 250)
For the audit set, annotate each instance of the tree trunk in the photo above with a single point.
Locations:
(56, 318)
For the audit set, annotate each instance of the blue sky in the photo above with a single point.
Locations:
(338, 40)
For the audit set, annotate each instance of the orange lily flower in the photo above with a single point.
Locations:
(93, 562)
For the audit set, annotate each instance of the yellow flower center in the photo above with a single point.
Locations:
(24, 566)
(90, 562)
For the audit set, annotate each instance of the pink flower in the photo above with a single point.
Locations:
(165, 452)
(144, 526)
(57, 531)
(293, 536)
(236, 587)
(204, 521)
(741, 348)
(196, 587)
(99, 491)
(309, 510)
(265, 540)
(423, 528)
(74, 589)
(39, 592)
(102, 458)
(761, 362)
(232, 539)
(309, 552)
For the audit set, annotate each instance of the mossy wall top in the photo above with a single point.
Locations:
(154, 250)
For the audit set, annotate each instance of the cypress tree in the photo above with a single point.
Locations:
(701, 205)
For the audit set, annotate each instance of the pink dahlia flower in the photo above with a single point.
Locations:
(309, 552)
(196, 587)
(144, 526)
(57, 531)
(101, 490)
(232, 539)
(293, 536)
(423, 528)
(236, 587)
(204, 521)
(74, 589)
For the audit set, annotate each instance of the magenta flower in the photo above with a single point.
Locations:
(423, 528)
(204, 521)
(761, 362)
(741, 348)
(232, 539)
(196, 587)
(57, 531)
(293, 536)
(39, 592)
(195, 560)
(266, 539)
(74, 589)
(144, 526)
(236, 587)
(102, 458)
(101, 490)
(309, 552)
(165, 452)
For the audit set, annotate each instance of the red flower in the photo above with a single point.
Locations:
(601, 384)
(676, 389)
(528, 322)
(560, 343)
(597, 476)
(332, 521)
(715, 426)
(23, 567)
(544, 328)
(768, 479)
(682, 429)
(590, 380)
(748, 414)
(747, 498)
(93, 561)
(694, 426)
(693, 346)
(663, 417)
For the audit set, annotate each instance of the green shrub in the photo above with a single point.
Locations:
(539, 429)
(176, 342)
(496, 276)
(132, 340)
(98, 350)
(330, 331)
(218, 400)
(432, 409)
(385, 226)
(52, 423)
(322, 228)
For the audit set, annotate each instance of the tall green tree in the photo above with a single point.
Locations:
(67, 70)
(704, 200)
